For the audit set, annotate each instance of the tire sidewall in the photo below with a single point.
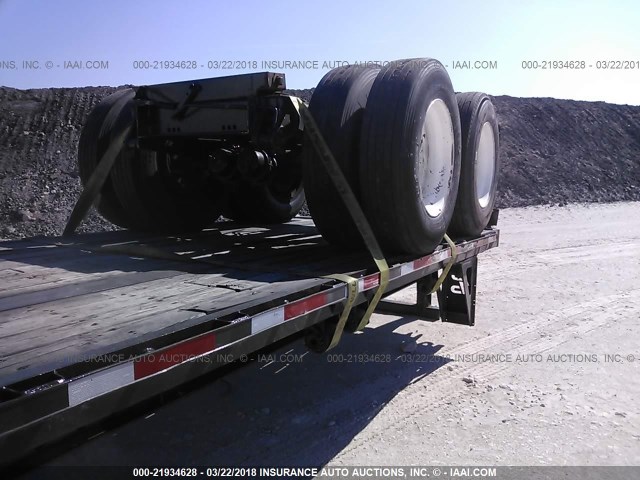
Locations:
(484, 113)
(438, 86)
(337, 106)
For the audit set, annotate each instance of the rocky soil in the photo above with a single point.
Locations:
(552, 152)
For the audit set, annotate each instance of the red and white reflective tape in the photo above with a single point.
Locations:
(372, 281)
(368, 282)
(297, 309)
(111, 378)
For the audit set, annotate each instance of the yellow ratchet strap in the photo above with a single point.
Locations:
(352, 289)
(95, 183)
(341, 184)
(445, 271)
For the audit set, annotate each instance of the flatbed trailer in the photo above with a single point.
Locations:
(93, 324)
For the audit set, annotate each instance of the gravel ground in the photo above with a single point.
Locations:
(553, 152)
(559, 294)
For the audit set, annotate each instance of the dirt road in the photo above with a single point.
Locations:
(560, 294)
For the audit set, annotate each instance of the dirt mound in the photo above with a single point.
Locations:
(560, 151)
(552, 151)
(39, 182)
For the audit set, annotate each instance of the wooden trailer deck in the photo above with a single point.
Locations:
(94, 324)
(65, 300)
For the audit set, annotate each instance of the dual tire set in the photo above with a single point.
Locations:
(421, 159)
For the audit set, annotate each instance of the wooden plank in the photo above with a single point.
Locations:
(66, 289)
(70, 331)
(102, 303)
(108, 320)
(66, 266)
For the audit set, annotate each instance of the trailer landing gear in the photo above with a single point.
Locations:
(456, 297)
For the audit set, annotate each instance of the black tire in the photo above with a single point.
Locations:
(154, 198)
(268, 203)
(480, 164)
(94, 141)
(337, 106)
(410, 158)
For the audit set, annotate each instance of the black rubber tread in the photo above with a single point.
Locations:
(391, 133)
(248, 202)
(337, 106)
(469, 218)
(133, 197)
(94, 141)
(154, 201)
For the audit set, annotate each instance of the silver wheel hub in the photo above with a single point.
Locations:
(485, 164)
(436, 158)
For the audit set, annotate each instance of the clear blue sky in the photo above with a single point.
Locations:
(507, 32)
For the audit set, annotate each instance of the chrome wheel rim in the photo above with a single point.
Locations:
(436, 158)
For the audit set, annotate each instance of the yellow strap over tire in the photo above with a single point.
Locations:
(96, 182)
(342, 185)
(347, 195)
